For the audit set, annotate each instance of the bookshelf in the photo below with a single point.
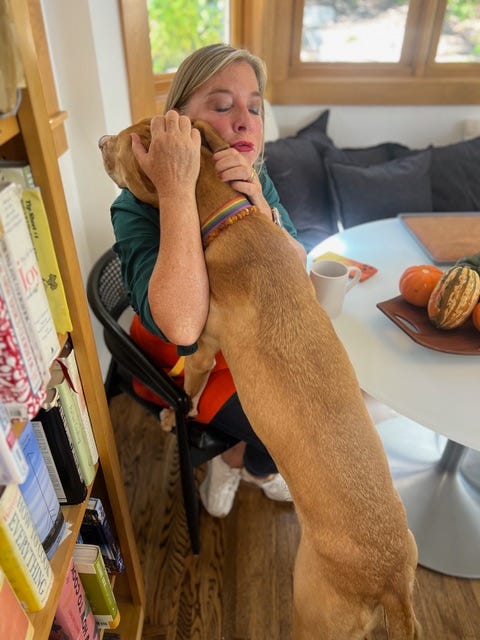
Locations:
(37, 135)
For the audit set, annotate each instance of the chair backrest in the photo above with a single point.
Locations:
(105, 289)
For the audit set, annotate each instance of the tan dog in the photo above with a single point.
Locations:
(356, 558)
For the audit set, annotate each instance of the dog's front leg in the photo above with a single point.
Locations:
(197, 370)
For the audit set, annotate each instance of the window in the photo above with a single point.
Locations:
(360, 52)
(375, 52)
(178, 28)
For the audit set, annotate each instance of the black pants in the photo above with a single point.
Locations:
(232, 420)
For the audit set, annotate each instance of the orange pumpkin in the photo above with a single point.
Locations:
(476, 316)
(417, 283)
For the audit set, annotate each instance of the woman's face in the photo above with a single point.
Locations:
(231, 103)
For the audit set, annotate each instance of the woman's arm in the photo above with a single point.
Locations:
(178, 291)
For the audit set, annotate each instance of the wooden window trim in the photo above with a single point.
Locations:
(272, 30)
(415, 79)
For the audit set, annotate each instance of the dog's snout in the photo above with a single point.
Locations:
(103, 140)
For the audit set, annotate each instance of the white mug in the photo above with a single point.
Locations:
(332, 280)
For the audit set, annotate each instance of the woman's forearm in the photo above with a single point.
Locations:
(178, 291)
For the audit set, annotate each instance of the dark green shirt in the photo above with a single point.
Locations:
(137, 233)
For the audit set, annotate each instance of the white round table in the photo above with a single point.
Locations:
(436, 466)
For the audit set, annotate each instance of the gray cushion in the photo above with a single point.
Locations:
(362, 194)
(299, 175)
(455, 176)
(366, 156)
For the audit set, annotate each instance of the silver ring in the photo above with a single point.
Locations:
(252, 176)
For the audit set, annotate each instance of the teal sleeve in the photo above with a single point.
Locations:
(273, 199)
(137, 234)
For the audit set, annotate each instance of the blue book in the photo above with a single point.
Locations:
(39, 494)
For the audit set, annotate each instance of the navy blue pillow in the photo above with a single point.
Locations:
(297, 170)
(362, 194)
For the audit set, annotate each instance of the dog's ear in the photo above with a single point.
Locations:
(210, 138)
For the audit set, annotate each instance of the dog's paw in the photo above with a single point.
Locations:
(193, 412)
(167, 419)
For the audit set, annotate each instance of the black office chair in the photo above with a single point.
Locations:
(197, 442)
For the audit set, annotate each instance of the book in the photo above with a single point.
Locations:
(52, 421)
(74, 619)
(13, 466)
(18, 257)
(16, 171)
(14, 622)
(74, 423)
(68, 364)
(37, 222)
(96, 529)
(22, 556)
(23, 375)
(39, 494)
(93, 574)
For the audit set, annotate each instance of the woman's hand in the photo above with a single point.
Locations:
(233, 168)
(172, 161)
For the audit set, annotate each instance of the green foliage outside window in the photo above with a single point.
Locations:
(178, 27)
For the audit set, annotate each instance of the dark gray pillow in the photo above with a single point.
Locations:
(299, 175)
(362, 194)
(366, 156)
(455, 176)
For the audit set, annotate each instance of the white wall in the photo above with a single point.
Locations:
(416, 127)
(87, 57)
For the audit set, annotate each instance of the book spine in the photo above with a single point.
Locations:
(49, 461)
(16, 249)
(74, 617)
(39, 494)
(96, 529)
(37, 222)
(14, 622)
(22, 381)
(54, 424)
(22, 556)
(74, 425)
(17, 172)
(13, 466)
(68, 362)
(98, 589)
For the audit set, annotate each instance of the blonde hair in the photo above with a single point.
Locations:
(204, 63)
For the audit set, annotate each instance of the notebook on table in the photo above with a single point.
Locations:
(445, 237)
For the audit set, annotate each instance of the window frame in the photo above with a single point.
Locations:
(415, 79)
(260, 25)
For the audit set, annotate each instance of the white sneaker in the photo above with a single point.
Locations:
(218, 489)
(273, 486)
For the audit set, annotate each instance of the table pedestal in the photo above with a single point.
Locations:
(439, 483)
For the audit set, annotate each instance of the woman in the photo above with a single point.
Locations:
(161, 250)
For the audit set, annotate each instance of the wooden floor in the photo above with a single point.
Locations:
(239, 587)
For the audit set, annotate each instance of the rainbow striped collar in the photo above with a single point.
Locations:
(227, 214)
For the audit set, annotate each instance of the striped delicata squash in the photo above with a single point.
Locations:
(456, 294)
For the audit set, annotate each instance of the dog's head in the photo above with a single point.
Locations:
(122, 166)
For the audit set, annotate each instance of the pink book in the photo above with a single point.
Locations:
(74, 617)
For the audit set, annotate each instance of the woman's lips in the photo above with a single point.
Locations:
(243, 146)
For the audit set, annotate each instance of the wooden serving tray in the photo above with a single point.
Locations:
(445, 237)
(414, 321)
